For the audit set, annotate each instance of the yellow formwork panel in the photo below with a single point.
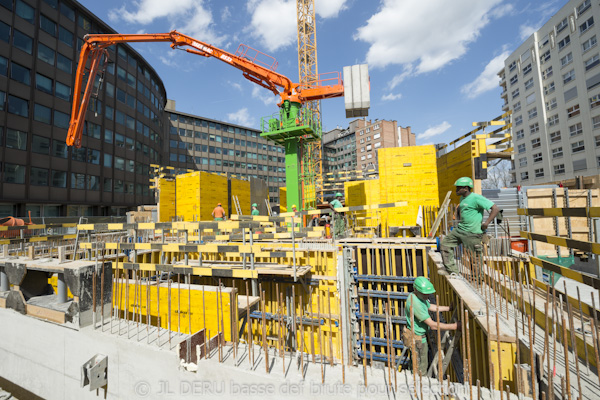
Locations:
(364, 193)
(283, 199)
(241, 189)
(166, 200)
(195, 305)
(458, 163)
(198, 193)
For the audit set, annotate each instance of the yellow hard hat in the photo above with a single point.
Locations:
(293, 206)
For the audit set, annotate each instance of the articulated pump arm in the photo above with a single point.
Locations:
(94, 50)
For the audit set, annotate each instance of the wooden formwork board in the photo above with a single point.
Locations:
(543, 198)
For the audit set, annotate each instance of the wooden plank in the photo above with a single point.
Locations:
(46, 313)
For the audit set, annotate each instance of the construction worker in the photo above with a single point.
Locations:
(294, 208)
(339, 223)
(418, 300)
(470, 228)
(255, 209)
(218, 213)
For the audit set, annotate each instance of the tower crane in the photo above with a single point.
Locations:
(291, 124)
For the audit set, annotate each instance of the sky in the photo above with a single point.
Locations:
(433, 64)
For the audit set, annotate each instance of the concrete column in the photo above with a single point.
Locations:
(4, 287)
(61, 288)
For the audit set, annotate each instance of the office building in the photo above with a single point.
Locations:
(551, 83)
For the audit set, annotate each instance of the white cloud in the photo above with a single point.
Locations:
(526, 30)
(235, 85)
(191, 17)
(329, 8)
(391, 97)
(274, 22)
(434, 130)
(398, 79)
(169, 59)
(424, 35)
(225, 14)
(264, 95)
(488, 79)
(241, 117)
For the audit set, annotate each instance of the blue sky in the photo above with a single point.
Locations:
(432, 63)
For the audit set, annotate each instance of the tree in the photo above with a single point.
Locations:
(498, 176)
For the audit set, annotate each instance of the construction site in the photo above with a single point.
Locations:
(308, 300)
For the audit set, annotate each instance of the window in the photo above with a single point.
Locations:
(561, 25)
(557, 152)
(537, 157)
(597, 139)
(533, 128)
(544, 41)
(18, 106)
(524, 176)
(512, 66)
(547, 73)
(3, 66)
(46, 54)
(520, 134)
(515, 93)
(63, 91)
(545, 56)
(47, 25)
(569, 76)
(576, 129)
(559, 169)
(535, 143)
(579, 165)
(595, 101)
(517, 106)
(22, 42)
(40, 145)
(577, 147)
(61, 119)
(587, 45)
(596, 122)
(42, 114)
(551, 104)
(65, 36)
(555, 137)
(14, 173)
(592, 62)
(4, 32)
(20, 73)
(38, 176)
(518, 120)
(532, 113)
(529, 84)
(526, 69)
(25, 11)
(376, 136)
(539, 173)
(530, 99)
(2, 107)
(63, 63)
(514, 80)
(521, 148)
(564, 43)
(586, 25)
(549, 88)
(67, 11)
(583, 7)
(573, 111)
(16, 139)
(566, 60)
(43, 83)
(523, 162)
(77, 180)
(84, 22)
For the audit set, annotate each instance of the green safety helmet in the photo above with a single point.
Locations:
(254, 205)
(464, 181)
(423, 285)
(338, 194)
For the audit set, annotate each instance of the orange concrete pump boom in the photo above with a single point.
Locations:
(245, 59)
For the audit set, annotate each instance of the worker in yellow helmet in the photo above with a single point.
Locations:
(255, 209)
(294, 208)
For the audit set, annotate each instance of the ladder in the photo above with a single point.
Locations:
(236, 203)
(269, 210)
(450, 341)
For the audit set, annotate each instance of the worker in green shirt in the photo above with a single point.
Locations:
(255, 209)
(418, 300)
(470, 228)
(339, 223)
